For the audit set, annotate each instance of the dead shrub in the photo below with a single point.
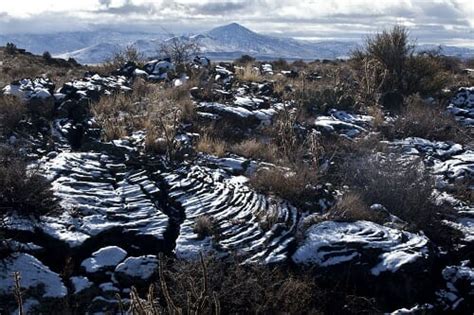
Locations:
(391, 49)
(12, 110)
(403, 186)
(23, 190)
(227, 288)
(388, 64)
(128, 54)
(429, 121)
(244, 60)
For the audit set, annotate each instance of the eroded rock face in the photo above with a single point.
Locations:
(363, 242)
(245, 222)
(100, 194)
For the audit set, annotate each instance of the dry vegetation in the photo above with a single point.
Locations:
(22, 189)
(155, 108)
(16, 65)
(12, 110)
(419, 118)
(210, 286)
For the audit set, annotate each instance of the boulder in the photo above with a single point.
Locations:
(37, 282)
(105, 258)
(135, 270)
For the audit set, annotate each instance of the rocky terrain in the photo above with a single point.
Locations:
(123, 196)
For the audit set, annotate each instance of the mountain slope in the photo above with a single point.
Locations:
(233, 38)
(225, 42)
(93, 54)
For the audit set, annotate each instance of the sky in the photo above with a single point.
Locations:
(438, 21)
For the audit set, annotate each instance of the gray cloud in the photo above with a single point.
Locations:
(220, 8)
(428, 21)
(126, 9)
(105, 3)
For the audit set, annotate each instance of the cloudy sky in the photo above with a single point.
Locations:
(438, 21)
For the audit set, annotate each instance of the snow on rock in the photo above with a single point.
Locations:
(458, 295)
(417, 309)
(80, 284)
(158, 69)
(201, 61)
(99, 193)
(27, 89)
(238, 113)
(267, 69)
(36, 278)
(248, 224)
(104, 258)
(137, 268)
(462, 106)
(94, 85)
(343, 123)
(331, 243)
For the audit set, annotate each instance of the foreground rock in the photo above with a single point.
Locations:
(462, 106)
(243, 222)
(43, 288)
(383, 249)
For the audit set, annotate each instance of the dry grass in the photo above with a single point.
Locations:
(248, 73)
(157, 109)
(258, 150)
(352, 207)
(210, 145)
(19, 66)
(294, 186)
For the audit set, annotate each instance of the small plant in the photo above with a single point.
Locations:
(10, 49)
(249, 73)
(199, 299)
(352, 207)
(292, 185)
(244, 60)
(47, 57)
(203, 226)
(23, 190)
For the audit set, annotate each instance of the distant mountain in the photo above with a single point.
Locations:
(233, 40)
(221, 43)
(94, 54)
(64, 42)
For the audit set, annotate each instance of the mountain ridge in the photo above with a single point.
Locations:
(225, 42)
